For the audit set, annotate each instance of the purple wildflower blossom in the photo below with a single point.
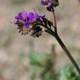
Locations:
(24, 19)
(46, 2)
(50, 3)
(27, 18)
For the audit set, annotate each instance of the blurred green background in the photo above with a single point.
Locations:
(23, 56)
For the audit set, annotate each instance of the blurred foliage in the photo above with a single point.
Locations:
(68, 73)
(48, 76)
(42, 63)
(37, 59)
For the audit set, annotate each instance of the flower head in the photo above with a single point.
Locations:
(50, 3)
(25, 21)
(46, 2)
(26, 18)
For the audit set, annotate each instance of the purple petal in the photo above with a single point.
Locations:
(28, 17)
(46, 2)
(26, 25)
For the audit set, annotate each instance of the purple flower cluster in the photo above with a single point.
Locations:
(26, 18)
(50, 3)
(31, 21)
(46, 2)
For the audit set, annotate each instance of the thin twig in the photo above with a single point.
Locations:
(67, 53)
(65, 49)
(54, 22)
(55, 34)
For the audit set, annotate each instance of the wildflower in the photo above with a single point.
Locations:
(26, 21)
(50, 4)
(26, 18)
(46, 2)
